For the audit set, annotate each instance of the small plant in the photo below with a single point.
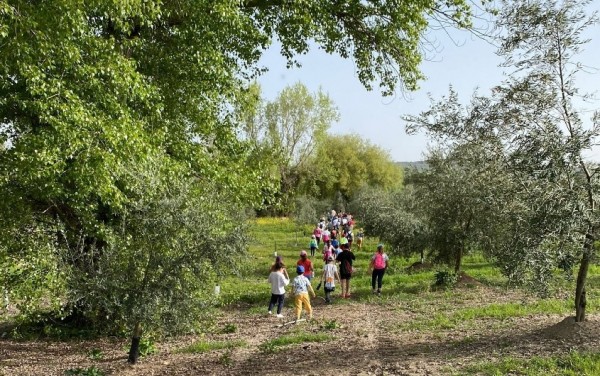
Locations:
(445, 278)
(147, 347)
(229, 328)
(90, 371)
(95, 354)
(292, 339)
(268, 347)
(206, 346)
(330, 325)
(226, 359)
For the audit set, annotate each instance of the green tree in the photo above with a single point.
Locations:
(546, 203)
(394, 217)
(344, 163)
(288, 131)
(548, 137)
(106, 104)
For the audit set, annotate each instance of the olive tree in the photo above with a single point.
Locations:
(546, 214)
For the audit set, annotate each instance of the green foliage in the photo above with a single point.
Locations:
(395, 217)
(206, 346)
(96, 354)
(445, 278)
(90, 371)
(147, 347)
(573, 364)
(345, 163)
(226, 359)
(229, 328)
(286, 134)
(106, 106)
(330, 325)
(538, 204)
(307, 210)
(273, 345)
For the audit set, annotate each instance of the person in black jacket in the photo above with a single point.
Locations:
(346, 258)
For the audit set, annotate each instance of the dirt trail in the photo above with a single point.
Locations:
(366, 341)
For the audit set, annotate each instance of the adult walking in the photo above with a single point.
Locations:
(345, 258)
(378, 264)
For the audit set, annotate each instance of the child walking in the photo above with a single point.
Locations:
(330, 273)
(313, 245)
(301, 287)
(378, 264)
(278, 280)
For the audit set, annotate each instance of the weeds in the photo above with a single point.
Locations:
(330, 325)
(206, 346)
(229, 328)
(90, 371)
(292, 339)
(573, 364)
(95, 354)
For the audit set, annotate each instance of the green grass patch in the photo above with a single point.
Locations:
(206, 346)
(293, 339)
(450, 319)
(574, 364)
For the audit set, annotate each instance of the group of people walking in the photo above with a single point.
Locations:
(338, 259)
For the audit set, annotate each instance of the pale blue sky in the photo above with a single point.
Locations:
(469, 65)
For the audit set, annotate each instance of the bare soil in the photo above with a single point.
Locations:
(367, 341)
(419, 267)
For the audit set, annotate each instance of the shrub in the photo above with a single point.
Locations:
(445, 278)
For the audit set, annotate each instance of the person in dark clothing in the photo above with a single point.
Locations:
(345, 258)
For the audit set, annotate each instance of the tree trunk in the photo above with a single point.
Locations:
(580, 298)
(461, 250)
(458, 259)
(422, 256)
(134, 350)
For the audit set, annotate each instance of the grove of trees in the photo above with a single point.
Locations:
(134, 140)
(509, 174)
(122, 165)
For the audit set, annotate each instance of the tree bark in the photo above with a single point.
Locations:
(580, 296)
(134, 350)
(461, 250)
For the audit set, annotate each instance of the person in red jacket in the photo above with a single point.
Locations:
(307, 264)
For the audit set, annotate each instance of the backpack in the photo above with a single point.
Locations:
(379, 262)
(349, 236)
(346, 267)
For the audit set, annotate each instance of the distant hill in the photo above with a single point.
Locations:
(419, 165)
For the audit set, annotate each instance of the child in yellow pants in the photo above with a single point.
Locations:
(301, 287)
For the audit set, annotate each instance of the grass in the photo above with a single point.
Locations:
(451, 318)
(293, 339)
(206, 346)
(270, 235)
(573, 364)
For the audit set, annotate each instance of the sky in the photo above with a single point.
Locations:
(462, 60)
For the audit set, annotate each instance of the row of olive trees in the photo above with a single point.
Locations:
(509, 174)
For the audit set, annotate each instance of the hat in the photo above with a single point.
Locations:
(312, 236)
(380, 245)
(330, 258)
(300, 269)
(302, 253)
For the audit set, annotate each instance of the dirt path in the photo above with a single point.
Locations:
(366, 341)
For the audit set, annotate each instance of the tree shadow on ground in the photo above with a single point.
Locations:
(399, 355)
